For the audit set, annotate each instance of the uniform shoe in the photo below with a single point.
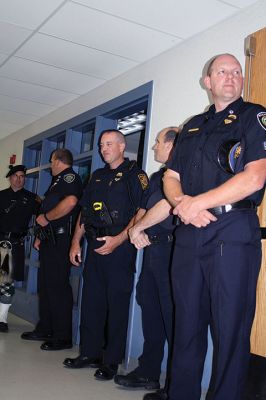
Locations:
(160, 394)
(35, 335)
(106, 372)
(82, 361)
(133, 380)
(58, 344)
(3, 327)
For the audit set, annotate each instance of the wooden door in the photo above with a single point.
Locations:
(255, 91)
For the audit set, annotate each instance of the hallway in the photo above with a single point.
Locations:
(28, 373)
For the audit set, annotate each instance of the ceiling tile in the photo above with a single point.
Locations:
(45, 75)
(11, 37)
(180, 18)
(29, 13)
(24, 106)
(16, 118)
(83, 25)
(40, 94)
(241, 3)
(3, 57)
(67, 55)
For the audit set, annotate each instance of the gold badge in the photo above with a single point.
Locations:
(143, 181)
(97, 205)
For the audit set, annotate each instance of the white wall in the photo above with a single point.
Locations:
(176, 74)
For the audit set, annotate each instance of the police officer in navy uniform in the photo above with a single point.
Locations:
(154, 231)
(58, 214)
(110, 201)
(215, 181)
(17, 205)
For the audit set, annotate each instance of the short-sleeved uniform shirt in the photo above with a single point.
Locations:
(212, 147)
(155, 195)
(16, 209)
(122, 190)
(67, 183)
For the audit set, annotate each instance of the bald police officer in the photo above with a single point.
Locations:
(17, 205)
(215, 181)
(110, 201)
(58, 214)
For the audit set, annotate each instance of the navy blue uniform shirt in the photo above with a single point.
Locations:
(122, 190)
(156, 194)
(67, 183)
(213, 146)
(16, 209)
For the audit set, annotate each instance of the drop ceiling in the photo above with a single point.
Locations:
(53, 51)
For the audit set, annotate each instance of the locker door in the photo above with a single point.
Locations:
(255, 91)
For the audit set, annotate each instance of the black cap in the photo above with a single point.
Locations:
(15, 168)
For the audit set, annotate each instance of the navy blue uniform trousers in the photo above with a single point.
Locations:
(214, 273)
(107, 287)
(154, 295)
(55, 292)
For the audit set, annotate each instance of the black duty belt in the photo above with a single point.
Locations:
(95, 232)
(161, 238)
(13, 235)
(239, 205)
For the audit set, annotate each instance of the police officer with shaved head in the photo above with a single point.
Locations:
(109, 204)
(17, 206)
(215, 181)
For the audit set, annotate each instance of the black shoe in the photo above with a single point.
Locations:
(106, 372)
(82, 361)
(133, 380)
(34, 335)
(3, 327)
(160, 394)
(58, 344)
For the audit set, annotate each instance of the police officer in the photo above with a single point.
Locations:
(110, 201)
(59, 210)
(17, 205)
(154, 289)
(215, 181)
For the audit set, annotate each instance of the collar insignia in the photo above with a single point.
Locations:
(193, 130)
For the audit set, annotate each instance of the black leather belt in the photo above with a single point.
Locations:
(95, 232)
(239, 205)
(161, 238)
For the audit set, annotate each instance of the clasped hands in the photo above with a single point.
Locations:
(189, 211)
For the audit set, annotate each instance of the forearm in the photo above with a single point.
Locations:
(159, 212)
(79, 231)
(235, 189)
(63, 208)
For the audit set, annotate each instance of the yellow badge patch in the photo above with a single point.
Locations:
(143, 181)
(227, 121)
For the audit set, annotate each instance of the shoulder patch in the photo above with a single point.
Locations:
(143, 181)
(262, 119)
(69, 178)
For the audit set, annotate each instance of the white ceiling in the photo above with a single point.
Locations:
(53, 51)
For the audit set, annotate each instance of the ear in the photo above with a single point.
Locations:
(207, 82)
(122, 147)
